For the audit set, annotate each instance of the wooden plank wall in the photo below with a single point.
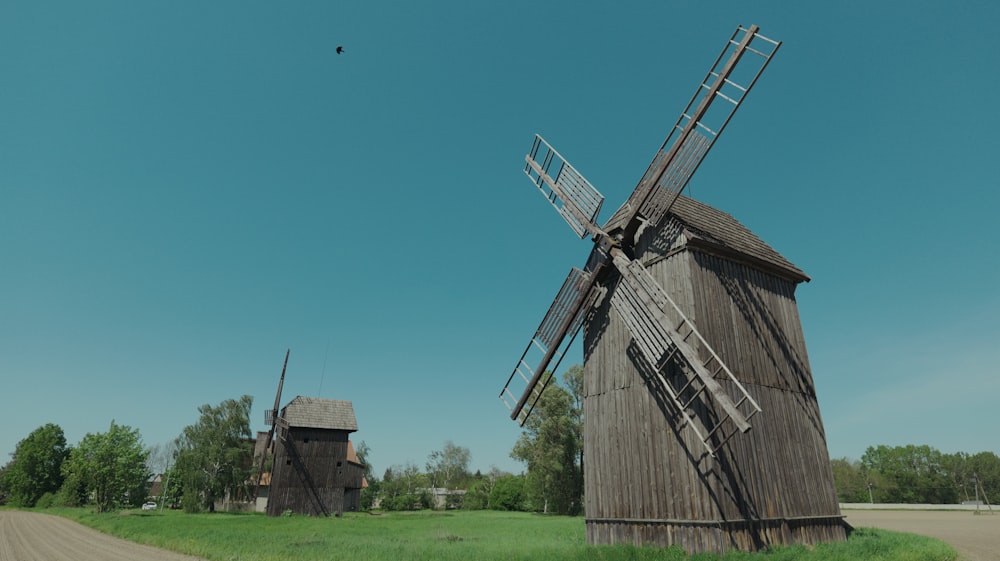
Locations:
(311, 473)
(649, 480)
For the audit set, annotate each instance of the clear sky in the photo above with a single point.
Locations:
(187, 189)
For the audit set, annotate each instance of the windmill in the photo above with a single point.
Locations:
(661, 407)
(314, 468)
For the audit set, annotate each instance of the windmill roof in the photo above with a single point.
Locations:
(318, 413)
(714, 230)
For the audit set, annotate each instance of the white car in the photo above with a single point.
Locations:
(148, 506)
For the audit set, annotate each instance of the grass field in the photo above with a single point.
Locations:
(444, 536)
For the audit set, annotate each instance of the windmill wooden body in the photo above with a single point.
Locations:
(692, 337)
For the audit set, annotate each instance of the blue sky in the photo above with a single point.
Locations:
(187, 189)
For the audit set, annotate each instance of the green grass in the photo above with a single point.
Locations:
(439, 536)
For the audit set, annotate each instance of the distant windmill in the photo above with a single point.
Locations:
(661, 407)
(314, 469)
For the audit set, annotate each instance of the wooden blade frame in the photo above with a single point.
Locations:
(573, 197)
(700, 124)
(271, 418)
(640, 300)
(553, 337)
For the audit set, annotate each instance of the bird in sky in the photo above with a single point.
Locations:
(340, 49)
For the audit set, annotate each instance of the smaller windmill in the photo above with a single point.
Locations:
(314, 469)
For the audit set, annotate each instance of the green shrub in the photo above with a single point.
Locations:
(508, 493)
(48, 500)
(191, 503)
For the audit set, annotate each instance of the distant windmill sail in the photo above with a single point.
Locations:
(271, 418)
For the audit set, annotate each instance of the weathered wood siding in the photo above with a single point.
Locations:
(311, 473)
(648, 480)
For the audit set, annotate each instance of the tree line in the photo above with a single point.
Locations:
(212, 460)
(105, 469)
(917, 474)
(111, 470)
(550, 447)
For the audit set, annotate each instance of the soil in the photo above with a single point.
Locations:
(976, 537)
(31, 536)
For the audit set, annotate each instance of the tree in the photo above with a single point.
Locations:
(109, 467)
(478, 494)
(550, 446)
(161, 457)
(160, 462)
(508, 493)
(36, 467)
(911, 474)
(850, 481)
(214, 455)
(448, 467)
(573, 378)
(405, 488)
(969, 470)
(369, 493)
(4, 494)
(362, 451)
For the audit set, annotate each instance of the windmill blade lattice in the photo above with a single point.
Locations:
(579, 202)
(720, 94)
(573, 197)
(651, 316)
(553, 337)
(271, 418)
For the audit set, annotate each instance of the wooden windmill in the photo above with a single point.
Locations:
(671, 288)
(314, 469)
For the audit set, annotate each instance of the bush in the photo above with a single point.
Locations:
(508, 493)
(369, 493)
(476, 497)
(191, 503)
(73, 492)
(408, 501)
(48, 500)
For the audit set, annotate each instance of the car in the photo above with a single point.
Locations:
(149, 506)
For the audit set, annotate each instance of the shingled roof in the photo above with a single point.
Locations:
(317, 413)
(711, 229)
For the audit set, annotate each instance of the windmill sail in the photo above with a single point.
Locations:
(573, 197)
(639, 299)
(271, 418)
(662, 332)
(551, 340)
(720, 94)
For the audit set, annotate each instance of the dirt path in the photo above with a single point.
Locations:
(30, 536)
(975, 537)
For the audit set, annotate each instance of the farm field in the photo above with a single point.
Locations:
(421, 536)
(976, 537)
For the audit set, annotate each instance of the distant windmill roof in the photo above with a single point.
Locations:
(713, 229)
(317, 413)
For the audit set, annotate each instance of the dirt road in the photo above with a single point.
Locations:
(30, 536)
(975, 537)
